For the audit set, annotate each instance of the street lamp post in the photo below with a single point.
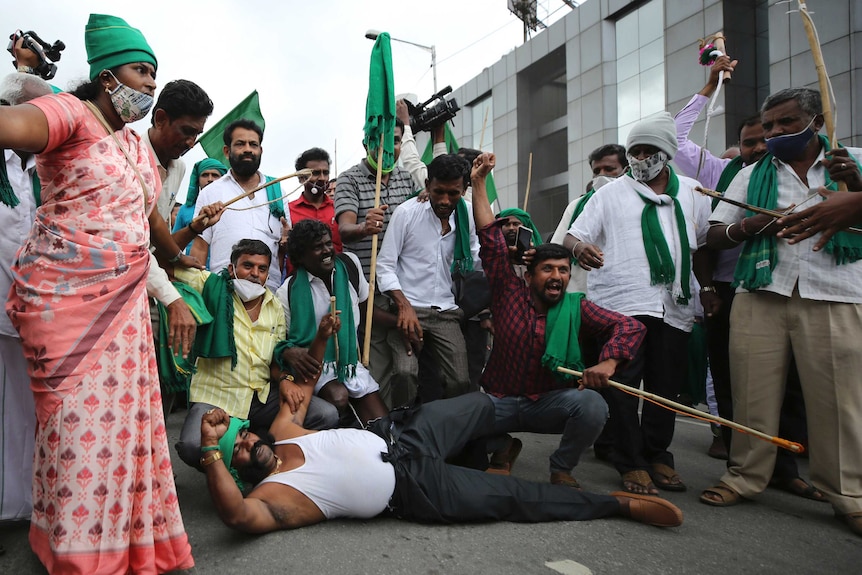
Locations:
(373, 34)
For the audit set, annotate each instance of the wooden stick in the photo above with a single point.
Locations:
(718, 41)
(372, 273)
(822, 78)
(529, 177)
(334, 335)
(755, 209)
(304, 172)
(784, 443)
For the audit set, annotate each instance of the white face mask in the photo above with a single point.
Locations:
(649, 168)
(600, 181)
(247, 290)
(130, 104)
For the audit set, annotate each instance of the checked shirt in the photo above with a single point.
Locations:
(514, 367)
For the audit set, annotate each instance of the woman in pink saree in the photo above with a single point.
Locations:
(103, 491)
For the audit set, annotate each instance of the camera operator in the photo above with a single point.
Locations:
(410, 158)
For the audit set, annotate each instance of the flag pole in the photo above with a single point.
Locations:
(372, 271)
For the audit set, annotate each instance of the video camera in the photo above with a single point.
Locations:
(425, 117)
(47, 53)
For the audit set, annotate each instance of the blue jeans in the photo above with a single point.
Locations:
(579, 415)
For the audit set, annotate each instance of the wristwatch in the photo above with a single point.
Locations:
(707, 289)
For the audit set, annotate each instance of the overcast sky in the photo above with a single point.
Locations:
(307, 59)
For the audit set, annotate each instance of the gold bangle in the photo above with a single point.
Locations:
(210, 458)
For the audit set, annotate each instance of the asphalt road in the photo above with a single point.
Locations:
(778, 533)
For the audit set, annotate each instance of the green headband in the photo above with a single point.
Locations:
(111, 42)
(226, 443)
(201, 167)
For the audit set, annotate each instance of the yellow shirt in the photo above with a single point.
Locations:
(232, 390)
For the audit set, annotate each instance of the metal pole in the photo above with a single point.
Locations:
(434, 66)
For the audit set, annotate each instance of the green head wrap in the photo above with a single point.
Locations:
(225, 444)
(201, 167)
(526, 220)
(111, 42)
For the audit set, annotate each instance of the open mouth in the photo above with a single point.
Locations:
(326, 261)
(554, 289)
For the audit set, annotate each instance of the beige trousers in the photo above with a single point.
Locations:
(826, 340)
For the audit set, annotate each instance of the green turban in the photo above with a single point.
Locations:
(111, 42)
(201, 167)
(526, 220)
(225, 444)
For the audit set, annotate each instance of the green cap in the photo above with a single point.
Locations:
(111, 42)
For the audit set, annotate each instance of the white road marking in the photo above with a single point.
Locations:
(568, 567)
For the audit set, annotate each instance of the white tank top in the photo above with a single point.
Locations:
(343, 474)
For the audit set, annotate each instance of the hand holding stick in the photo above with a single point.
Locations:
(335, 335)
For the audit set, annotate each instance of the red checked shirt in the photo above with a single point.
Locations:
(300, 209)
(515, 367)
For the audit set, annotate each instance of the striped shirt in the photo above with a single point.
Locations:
(232, 390)
(355, 193)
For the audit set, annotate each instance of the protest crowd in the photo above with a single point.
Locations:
(393, 322)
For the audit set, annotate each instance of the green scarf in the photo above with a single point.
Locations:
(561, 336)
(215, 339)
(7, 194)
(661, 265)
(175, 371)
(303, 327)
(525, 219)
(194, 183)
(273, 192)
(463, 257)
(759, 256)
(727, 174)
(579, 209)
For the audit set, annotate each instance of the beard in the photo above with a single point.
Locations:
(244, 165)
(257, 469)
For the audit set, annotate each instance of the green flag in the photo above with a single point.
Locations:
(452, 147)
(380, 104)
(212, 140)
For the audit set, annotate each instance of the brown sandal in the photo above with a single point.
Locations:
(641, 478)
(725, 494)
(665, 477)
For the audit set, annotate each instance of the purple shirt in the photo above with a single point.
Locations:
(687, 159)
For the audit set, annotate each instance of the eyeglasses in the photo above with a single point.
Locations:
(318, 173)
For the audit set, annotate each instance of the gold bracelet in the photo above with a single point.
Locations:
(210, 458)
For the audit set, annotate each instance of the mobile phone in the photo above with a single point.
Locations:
(525, 236)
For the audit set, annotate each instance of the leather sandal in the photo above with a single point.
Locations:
(650, 509)
(641, 478)
(665, 477)
(726, 496)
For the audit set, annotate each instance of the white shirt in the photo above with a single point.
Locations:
(257, 223)
(578, 279)
(173, 175)
(320, 298)
(416, 259)
(16, 224)
(612, 220)
(815, 273)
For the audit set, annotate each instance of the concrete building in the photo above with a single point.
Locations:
(587, 78)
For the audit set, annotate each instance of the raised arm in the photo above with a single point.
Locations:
(482, 212)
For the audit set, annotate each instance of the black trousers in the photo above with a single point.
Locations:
(427, 489)
(662, 362)
(792, 424)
